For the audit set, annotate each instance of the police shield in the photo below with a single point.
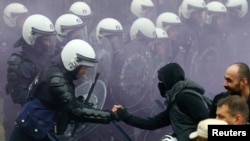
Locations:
(132, 77)
(104, 55)
(207, 63)
(154, 91)
(97, 99)
(98, 96)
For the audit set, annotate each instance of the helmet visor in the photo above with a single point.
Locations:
(80, 33)
(233, 11)
(46, 44)
(89, 75)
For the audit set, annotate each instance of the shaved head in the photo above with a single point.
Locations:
(236, 78)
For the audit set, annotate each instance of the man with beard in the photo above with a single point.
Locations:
(237, 78)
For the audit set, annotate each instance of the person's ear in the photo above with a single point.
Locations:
(244, 81)
(238, 119)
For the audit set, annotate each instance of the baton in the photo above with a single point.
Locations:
(91, 89)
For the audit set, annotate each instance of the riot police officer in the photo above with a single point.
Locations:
(108, 42)
(53, 89)
(133, 64)
(190, 13)
(171, 23)
(68, 27)
(213, 47)
(139, 9)
(37, 43)
(83, 11)
(239, 31)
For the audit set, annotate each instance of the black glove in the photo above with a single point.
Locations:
(162, 89)
(122, 114)
(113, 116)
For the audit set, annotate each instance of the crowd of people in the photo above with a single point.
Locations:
(148, 52)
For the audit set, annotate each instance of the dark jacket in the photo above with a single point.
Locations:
(56, 90)
(22, 68)
(184, 101)
(186, 107)
(217, 97)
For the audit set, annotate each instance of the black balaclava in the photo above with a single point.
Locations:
(170, 74)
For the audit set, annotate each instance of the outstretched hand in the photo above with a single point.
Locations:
(115, 107)
(120, 112)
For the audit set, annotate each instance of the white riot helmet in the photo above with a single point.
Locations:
(67, 23)
(78, 53)
(240, 6)
(161, 35)
(12, 12)
(188, 6)
(139, 7)
(214, 8)
(168, 138)
(80, 9)
(36, 26)
(142, 28)
(107, 27)
(167, 20)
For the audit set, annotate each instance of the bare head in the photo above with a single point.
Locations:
(233, 109)
(237, 78)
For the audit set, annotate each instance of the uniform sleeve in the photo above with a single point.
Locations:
(19, 79)
(64, 94)
(192, 105)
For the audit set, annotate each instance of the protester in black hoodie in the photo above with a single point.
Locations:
(185, 105)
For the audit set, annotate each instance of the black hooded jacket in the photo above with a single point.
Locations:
(184, 101)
